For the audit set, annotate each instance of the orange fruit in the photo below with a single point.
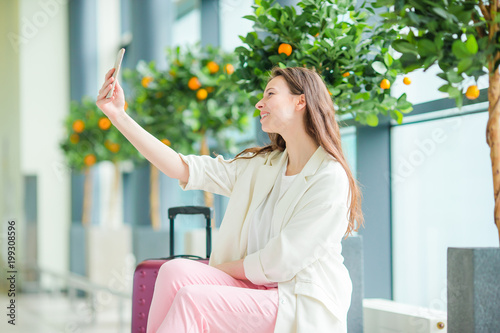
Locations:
(213, 67)
(285, 48)
(78, 126)
(125, 107)
(104, 123)
(201, 94)
(210, 89)
(229, 69)
(166, 141)
(74, 138)
(472, 92)
(346, 74)
(146, 81)
(159, 94)
(330, 92)
(385, 84)
(316, 35)
(89, 160)
(114, 147)
(406, 80)
(194, 83)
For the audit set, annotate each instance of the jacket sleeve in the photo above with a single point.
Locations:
(206, 173)
(315, 230)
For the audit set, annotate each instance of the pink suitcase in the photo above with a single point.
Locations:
(147, 271)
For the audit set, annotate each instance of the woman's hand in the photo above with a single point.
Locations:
(233, 268)
(114, 106)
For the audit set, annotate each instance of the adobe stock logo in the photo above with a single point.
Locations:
(425, 148)
(30, 27)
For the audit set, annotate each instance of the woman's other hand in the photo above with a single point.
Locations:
(114, 106)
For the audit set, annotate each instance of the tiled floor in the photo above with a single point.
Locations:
(54, 313)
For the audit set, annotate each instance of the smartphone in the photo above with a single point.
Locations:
(118, 64)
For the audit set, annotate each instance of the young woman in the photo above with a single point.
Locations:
(276, 265)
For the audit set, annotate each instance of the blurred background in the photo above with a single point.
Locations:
(426, 182)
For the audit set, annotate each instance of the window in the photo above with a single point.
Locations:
(442, 196)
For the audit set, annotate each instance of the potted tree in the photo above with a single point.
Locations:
(355, 59)
(461, 37)
(190, 106)
(92, 139)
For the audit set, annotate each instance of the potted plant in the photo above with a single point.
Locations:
(461, 37)
(190, 103)
(355, 59)
(92, 139)
(335, 39)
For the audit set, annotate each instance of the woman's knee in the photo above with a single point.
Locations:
(176, 269)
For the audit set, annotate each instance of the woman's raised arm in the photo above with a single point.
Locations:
(155, 151)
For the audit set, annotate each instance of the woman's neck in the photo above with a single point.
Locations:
(300, 148)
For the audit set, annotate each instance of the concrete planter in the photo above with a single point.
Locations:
(473, 290)
(100, 253)
(148, 243)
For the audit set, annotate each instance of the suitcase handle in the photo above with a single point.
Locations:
(191, 210)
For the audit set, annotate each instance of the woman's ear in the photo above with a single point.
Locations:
(301, 103)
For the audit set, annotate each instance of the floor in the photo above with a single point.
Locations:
(53, 313)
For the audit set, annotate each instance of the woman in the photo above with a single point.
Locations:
(276, 264)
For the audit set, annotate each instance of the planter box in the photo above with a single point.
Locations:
(148, 243)
(473, 290)
(101, 254)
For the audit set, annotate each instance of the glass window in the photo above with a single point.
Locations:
(442, 196)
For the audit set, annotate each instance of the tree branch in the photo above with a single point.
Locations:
(484, 10)
(480, 30)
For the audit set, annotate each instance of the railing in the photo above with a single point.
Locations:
(73, 283)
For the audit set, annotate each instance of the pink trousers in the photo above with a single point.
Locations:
(194, 297)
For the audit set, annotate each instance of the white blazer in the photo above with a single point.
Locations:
(310, 220)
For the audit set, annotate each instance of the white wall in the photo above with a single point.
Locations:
(187, 29)
(11, 184)
(44, 87)
(232, 22)
(108, 43)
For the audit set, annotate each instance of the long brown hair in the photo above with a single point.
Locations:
(321, 125)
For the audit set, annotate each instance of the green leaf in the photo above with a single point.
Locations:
(444, 88)
(379, 67)
(388, 60)
(250, 17)
(403, 46)
(441, 12)
(453, 92)
(398, 116)
(282, 65)
(454, 77)
(426, 47)
(464, 65)
(471, 44)
(460, 50)
(372, 119)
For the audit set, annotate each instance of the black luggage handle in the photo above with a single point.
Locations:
(191, 210)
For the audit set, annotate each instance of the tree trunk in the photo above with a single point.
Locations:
(113, 211)
(208, 196)
(493, 137)
(87, 197)
(154, 197)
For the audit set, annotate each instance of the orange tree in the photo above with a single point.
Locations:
(91, 138)
(194, 99)
(462, 38)
(334, 38)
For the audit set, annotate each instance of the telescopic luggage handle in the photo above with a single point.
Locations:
(191, 210)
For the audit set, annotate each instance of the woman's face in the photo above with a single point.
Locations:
(278, 108)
